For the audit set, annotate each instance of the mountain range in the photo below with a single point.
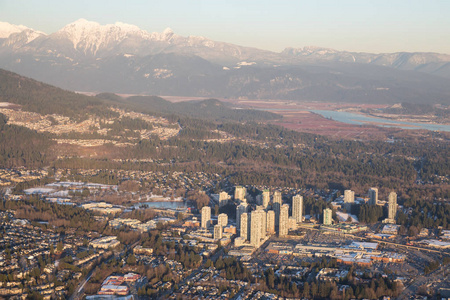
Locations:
(122, 58)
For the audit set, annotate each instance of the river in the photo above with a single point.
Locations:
(358, 119)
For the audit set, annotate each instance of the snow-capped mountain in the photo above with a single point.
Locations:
(400, 60)
(7, 29)
(87, 38)
(88, 56)
(91, 37)
(17, 40)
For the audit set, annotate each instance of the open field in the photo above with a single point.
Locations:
(297, 116)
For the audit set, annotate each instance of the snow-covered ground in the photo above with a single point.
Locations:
(64, 193)
(39, 190)
(344, 216)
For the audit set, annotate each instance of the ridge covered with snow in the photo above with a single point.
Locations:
(7, 29)
(81, 41)
(90, 38)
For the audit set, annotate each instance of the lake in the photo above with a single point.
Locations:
(357, 119)
(162, 204)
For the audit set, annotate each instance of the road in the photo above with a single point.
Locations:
(411, 290)
(348, 235)
(78, 294)
(442, 252)
(79, 289)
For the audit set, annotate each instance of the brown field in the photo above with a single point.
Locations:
(296, 116)
(305, 121)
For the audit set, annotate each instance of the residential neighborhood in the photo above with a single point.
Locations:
(155, 248)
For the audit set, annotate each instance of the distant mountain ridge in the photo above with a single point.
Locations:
(45, 99)
(428, 62)
(123, 58)
(87, 38)
(91, 38)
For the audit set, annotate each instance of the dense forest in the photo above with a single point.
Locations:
(60, 217)
(257, 153)
(317, 162)
(367, 287)
(418, 109)
(20, 146)
(425, 214)
(210, 109)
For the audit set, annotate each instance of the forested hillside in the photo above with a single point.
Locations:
(46, 99)
(211, 137)
(20, 146)
(210, 109)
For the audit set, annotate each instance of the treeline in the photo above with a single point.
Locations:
(61, 217)
(81, 135)
(436, 169)
(198, 134)
(313, 206)
(367, 287)
(129, 123)
(188, 256)
(268, 133)
(418, 109)
(199, 198)
(21, 186)
(210, 109)
(20, 146)
(260, 172)
(368, 213)
(279, 156)
(231, 269)
(126, 127)
(424, 214)
(103, 176)
(142, 215)
(314, 159)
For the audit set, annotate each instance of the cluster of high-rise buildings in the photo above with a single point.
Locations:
(349, 200)
(270, 216)
(392, 204)
(264, 220)
(206, 222)
(267, 218)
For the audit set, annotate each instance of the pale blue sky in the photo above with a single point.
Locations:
(358, 25)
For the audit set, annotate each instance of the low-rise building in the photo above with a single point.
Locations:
(119, 222)
(331, 274)
(105, 242)
(102, 207)
(142, 251)
(435, 244)
(445, 235)
(230, 229)
(121, 290)
(390, 229)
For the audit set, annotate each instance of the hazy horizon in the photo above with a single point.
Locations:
(356, 26)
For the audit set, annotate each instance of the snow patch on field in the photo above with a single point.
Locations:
(343, 217)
